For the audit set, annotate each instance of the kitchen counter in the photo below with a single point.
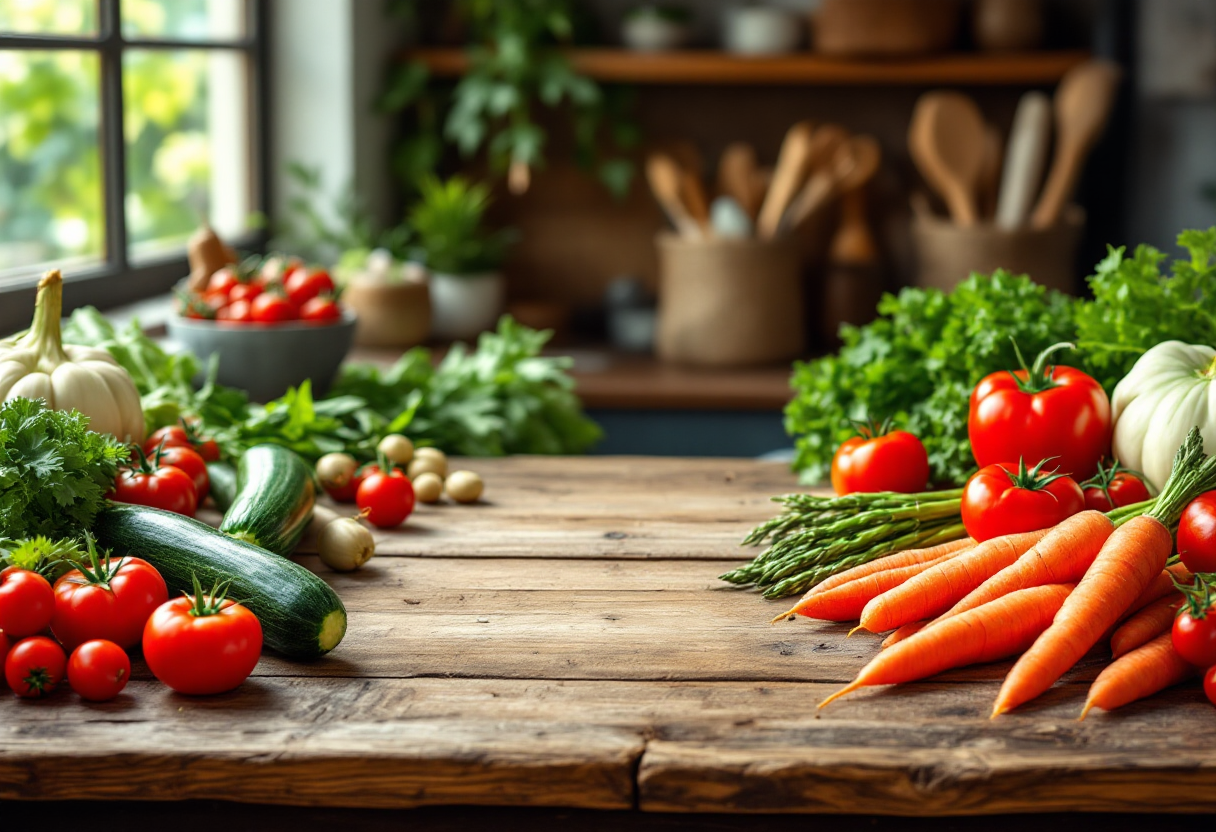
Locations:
(567, 644)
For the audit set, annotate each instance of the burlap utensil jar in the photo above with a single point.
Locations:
(729, 302)
(947, 253)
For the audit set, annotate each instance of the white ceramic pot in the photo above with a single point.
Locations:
(761, 30)
(463, 306)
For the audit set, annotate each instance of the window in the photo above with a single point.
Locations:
(123, 125)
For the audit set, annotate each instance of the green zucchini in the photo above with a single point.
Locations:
(301, 616)
(223, 484)
(276, 494)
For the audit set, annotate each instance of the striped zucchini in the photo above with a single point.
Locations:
(275, 498)
(301, 616)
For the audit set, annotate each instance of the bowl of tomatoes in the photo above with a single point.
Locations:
(273, 324)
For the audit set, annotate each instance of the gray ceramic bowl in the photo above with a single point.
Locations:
(266, 360)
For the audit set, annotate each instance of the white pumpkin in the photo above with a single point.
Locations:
(87, 379)
(1167, 392)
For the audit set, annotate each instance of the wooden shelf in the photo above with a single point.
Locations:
(710, 67)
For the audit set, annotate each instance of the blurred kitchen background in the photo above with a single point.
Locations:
(691, 194)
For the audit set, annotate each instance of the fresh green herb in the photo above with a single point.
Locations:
(917, 363)
(50, 558)
(54, 471)
(449, 224)
(1136, 306)
(503, 398)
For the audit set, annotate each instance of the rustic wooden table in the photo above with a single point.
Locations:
(568, 644)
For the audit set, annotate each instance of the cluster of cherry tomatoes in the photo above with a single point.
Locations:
(169, 471)
(82, 627)
(1194, 631)
(276, 290)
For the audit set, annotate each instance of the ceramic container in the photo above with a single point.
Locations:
(761, 30)
(265, 360)
(463, 306)
(649, 29)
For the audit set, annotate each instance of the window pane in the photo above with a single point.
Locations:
(50, 165)
(187, 131)
(183, 19)
(49, 17)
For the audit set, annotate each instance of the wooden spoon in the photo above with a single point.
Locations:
(946, 141)
(1082, 106)
(990, 172)
(854, 161)
(665, 179)
(736, 169)
(694, 198)
(1025, 158)
(793, 164)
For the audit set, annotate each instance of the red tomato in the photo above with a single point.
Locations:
(386, 498)
(145, 483)
(189, 460)
(276, 267)
(27, 602)
(98, 670)
(236, 312)
(185, 436)
(34, 667)
(1041, 413)
(269, 308)
(304, 284)
(1194, 637)
(1006, 499)
(222, 281)
(112, 600)
(244, 291)
(202, 647)
(198, 307)
(1113, 487)
(880, 459)
(1197, 534)
(349, 492)
(321, 310)
(1209, 684)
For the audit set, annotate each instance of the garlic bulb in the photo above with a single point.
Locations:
(87, 379)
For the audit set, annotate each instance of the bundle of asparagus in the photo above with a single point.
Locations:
(815, 537)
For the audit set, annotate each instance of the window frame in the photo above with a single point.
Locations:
(117, 280)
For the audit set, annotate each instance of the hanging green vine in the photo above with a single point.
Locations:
(516, 65)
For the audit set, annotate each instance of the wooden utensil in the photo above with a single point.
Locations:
(946, 141)
(736, 170)
(990, 172)
(665, 179)
(852, 164)
(1082, 107)
(1025, 158)
(694, 198)
(793, 164)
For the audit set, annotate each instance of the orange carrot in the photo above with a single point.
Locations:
(896, 636)
(1061, 557)
(1161, 586)
(1142, 672)
(1146, 625)
(1006, 626)
(845, 602)
(939, 587)
(1129, 561)
(896, 560)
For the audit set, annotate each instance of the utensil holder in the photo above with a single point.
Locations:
(729, 302)
(946, 254)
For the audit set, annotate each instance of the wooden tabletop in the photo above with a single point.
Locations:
(567, 643)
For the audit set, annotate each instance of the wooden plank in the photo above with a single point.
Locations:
(701, 747)
(711, 67)
(611, 507)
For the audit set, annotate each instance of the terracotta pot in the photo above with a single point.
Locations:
(885, 27)
(390, 314)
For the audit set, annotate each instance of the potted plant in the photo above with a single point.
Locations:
(467, 288)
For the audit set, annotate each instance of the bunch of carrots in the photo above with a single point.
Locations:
(1048, 595)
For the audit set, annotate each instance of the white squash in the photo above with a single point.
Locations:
(1171, 389)
(87, 379)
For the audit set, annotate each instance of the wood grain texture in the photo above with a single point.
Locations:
(588, 677)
